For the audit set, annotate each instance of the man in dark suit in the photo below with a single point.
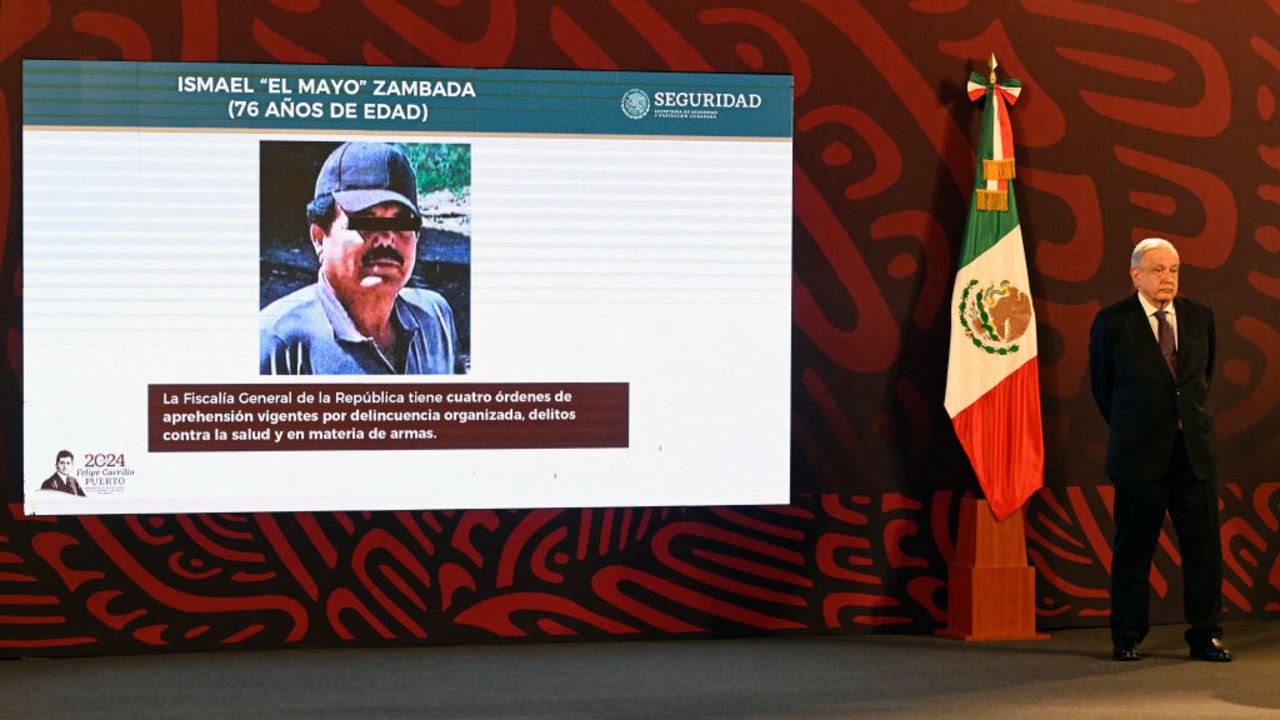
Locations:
(61, 480)
(1151, 363)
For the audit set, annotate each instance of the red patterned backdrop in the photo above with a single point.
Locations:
(1138, 118)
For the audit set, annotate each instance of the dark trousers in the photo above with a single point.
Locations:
(1140, 508)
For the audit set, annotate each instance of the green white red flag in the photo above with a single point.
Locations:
(993, 380)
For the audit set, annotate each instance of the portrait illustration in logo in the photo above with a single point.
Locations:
(995, 315)
(62, 480)
(635, 103)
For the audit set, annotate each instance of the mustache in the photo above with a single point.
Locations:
(380, 253)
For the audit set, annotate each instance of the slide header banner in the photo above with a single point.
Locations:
(326, 97)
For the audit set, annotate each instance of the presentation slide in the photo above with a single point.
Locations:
(289, 288)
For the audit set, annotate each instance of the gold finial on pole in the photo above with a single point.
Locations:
(991, 63)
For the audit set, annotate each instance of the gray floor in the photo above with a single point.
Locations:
(883, 676)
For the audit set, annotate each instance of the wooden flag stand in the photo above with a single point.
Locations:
(991, 591)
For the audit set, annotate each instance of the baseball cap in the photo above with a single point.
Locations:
(360, 175)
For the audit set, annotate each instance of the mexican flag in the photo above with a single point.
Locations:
(993, 381)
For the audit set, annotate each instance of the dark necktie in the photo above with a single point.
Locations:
(1164, 333)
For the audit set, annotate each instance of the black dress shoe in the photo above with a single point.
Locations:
(1125, 652)
(1213, 651)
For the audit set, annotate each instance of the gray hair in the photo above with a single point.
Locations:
(1147, 246)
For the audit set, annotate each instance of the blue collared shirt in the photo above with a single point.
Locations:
(308, 332)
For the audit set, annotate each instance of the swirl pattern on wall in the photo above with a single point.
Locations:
(1134, 122)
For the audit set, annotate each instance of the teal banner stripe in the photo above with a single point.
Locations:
(319, 97)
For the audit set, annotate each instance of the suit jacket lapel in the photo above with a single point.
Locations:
(1186, 326)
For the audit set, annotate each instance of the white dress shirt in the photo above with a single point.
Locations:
(1154, 322)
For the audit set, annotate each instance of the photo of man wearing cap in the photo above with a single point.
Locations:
(359, 318)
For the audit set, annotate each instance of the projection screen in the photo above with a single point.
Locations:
(282, 287)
